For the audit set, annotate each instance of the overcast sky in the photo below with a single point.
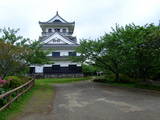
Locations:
(93, 17)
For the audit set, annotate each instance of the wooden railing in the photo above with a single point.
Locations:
(10, 96)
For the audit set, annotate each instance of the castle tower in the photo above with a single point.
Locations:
(57, 36)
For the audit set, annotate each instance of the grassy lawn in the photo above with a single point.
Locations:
(21, 106)
(136, 85)
(60, 80)
(17, 106)
(133, 85)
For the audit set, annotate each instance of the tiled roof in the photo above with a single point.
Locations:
(57, 22)
(56, 16)
(60, 46)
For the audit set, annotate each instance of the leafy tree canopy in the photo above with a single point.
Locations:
(133, 50)
(17, 53)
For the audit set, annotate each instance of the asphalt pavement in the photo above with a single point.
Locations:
(94, 101)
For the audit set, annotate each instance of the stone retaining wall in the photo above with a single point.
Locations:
(57, 75)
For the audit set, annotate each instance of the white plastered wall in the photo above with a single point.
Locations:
(63, 52)
(53, 29)
(66, 63)
(39, 68)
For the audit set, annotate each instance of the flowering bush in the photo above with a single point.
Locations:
(12, 82)
(15, 81)
(2, 82)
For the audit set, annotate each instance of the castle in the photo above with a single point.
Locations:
(57, 36)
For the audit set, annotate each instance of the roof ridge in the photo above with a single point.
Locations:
(58, 16)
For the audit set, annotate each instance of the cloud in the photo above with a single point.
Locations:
(93, 18)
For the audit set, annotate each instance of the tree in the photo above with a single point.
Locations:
(36, 54)
(10, 58)
(147, 51)
(100, 53)
(89, 69)
(17, 53)
(132, 50)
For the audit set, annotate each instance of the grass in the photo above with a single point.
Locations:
(132, 85)
(32, 97)
(17, 106)
(60, 80)
(136, 85)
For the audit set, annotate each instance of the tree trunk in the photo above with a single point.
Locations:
(117, 78)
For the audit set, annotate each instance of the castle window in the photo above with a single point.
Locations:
(55, 54)
(49, 30)
(57, 20)
(64, 30)
(72, 53)
(57, 30)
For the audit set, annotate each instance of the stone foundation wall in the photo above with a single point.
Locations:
(57, 75)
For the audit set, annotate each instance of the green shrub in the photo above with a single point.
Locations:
(99, 80)
(155, 76)
(2, 90)
(25, 78)
(125, 78)
(110, 77)
(145, 85)
(14, 81)
(3, 100)
(89, 70)
(104, 79)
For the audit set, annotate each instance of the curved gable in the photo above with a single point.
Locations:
(60, 39)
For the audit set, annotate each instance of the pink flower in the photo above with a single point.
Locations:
(2, 81)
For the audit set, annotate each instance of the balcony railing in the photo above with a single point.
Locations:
(49, 33)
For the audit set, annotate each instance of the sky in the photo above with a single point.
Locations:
(93, 18)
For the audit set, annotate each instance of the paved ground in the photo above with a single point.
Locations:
(93, 101)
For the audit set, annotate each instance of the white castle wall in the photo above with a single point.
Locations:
(39, 68)
(63, 52)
